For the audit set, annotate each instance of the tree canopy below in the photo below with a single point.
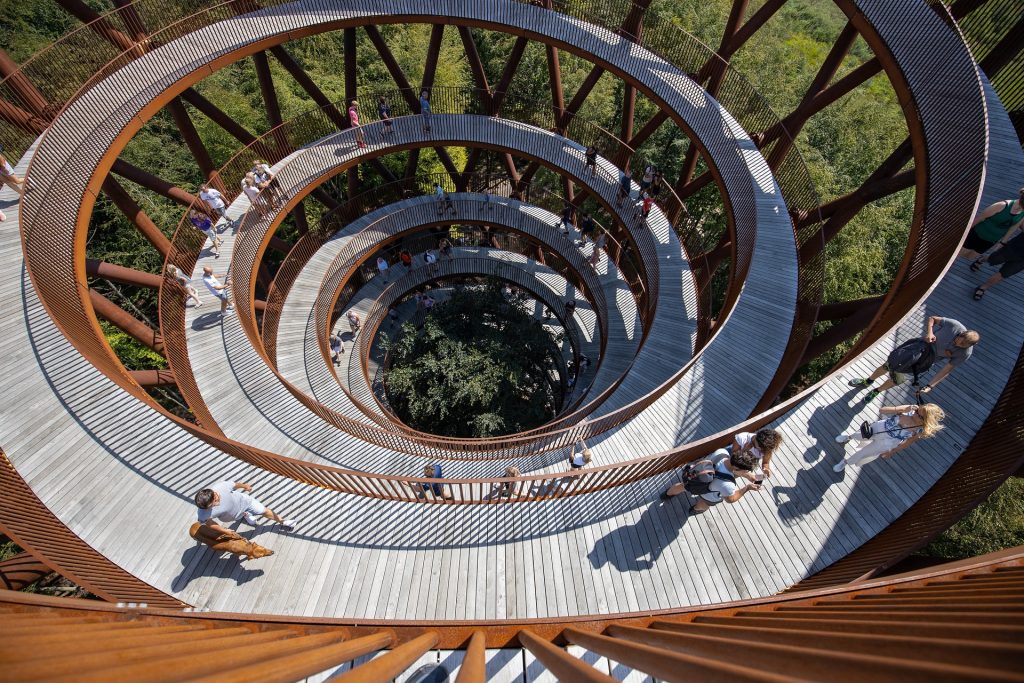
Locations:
(479, 366)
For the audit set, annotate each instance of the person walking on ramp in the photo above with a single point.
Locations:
(944, 339)
(229, 501)
(887, 436)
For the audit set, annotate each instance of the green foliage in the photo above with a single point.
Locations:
(134, 355)
(995, 524)
(478, 367)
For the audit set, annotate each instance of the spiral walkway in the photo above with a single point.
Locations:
(110, 476)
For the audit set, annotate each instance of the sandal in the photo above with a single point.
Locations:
(976, 265)
(979, 293)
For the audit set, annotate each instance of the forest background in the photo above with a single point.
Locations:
(840, 146)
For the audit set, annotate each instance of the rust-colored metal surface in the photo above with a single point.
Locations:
(33, 527)
(969, 636)
(21, 570)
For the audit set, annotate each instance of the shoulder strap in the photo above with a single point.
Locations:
(724, 477)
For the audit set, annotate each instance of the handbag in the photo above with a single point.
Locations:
(865, 430)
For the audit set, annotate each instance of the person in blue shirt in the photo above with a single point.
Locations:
(425, 110)
(434, 472)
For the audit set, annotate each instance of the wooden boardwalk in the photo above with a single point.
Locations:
(122, 476)
(249, 403)
(298, 352)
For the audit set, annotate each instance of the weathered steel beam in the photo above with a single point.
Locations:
(101, 26)
(121, 274)
(151, 182)
(17, 81)
(154, 378)
(120, 318)
(804, 110)
(143, 223)
(266, 83)
(192, 139)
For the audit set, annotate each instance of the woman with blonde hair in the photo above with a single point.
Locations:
(581, 455)
(886, 437)
(252, 191)
(185, 283)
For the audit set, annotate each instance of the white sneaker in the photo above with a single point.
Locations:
(250, 520)
(842, 438)
(839, 466)
(289, 524)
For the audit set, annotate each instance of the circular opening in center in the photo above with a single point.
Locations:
(479, 359)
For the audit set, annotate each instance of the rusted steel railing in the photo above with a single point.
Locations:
(959, 621)
(30, 524)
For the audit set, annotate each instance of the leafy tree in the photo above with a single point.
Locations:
(479, 367)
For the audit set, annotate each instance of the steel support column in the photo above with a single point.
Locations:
(121, 274)
(136, 215)
(192, 139)
(22, 86)
(349, 38)
(101, 26)
(804, 110)
(151, 182)
(120, 318)
(850, 325)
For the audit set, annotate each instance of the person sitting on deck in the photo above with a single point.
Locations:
(713, 479)
(229, 501)
(948, 339)
(762, 445)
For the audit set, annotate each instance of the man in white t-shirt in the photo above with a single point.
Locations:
(728, 468)
(214, 199)
(229, 501)
(217, 289)
(762, 445)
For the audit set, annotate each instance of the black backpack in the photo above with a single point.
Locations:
(915, 355)
(698, 475)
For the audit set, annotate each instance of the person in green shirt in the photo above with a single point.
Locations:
(996, 224)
